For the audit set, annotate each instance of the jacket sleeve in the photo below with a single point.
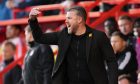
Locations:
(128, 63)
(125, 61)
(39, 36)
(110, 59)
(46, 63)
(16, 74)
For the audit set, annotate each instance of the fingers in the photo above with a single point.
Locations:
(34, 13)
(38, 9)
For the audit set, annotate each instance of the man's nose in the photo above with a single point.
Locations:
(66, 21)
(123, 29)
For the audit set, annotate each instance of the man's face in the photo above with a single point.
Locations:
(8, 52)
(72, 21)
(125, 26)
(109, 28)
(117, 43)
(11, 31)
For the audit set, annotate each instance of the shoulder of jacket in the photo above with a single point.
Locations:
(97, 33)
(43, 47)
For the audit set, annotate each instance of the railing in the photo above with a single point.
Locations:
(42, 8)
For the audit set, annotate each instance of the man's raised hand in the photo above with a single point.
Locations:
(34, 13)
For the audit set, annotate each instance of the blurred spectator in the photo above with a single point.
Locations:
(110, 26)
(14, 75)
(126, 56)
(105, 7)
(124, 79)
(5, 13)
(25, 3)
(137, 35)
(68, 3)
(38, 63)
(13, 35)
(125, 24)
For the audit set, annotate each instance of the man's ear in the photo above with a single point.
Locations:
(80, 19)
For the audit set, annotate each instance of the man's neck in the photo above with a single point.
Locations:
(81, 30)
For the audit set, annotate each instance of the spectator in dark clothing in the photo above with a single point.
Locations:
(126, 56)
(125, 24)
(14, 75)
(38, 63)
(110, 26)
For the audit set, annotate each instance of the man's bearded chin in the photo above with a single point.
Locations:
(69, 30)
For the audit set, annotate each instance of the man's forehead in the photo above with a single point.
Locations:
(124, 20)
(71, 13)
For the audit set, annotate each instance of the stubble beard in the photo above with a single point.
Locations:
(69, 31)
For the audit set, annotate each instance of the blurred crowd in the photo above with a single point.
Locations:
(6, 6)
(124, 35)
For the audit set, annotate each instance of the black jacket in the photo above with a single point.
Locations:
(14, 75)
(38, 64)
(98, 51)
(127, 63)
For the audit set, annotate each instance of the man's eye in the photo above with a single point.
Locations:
(69, 17)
